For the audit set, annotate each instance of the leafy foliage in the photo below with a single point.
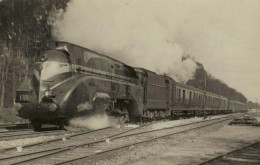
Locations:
(205, 81)
(24, 34)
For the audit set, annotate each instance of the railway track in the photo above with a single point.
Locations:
(249, 154)
(21, 125)
(74, 135)
(18, 134)
(107, 142)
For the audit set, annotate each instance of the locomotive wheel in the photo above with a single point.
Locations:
(36, 125)
(62, 125)
(123, 119)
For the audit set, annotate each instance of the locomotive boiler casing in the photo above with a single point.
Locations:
(69, 81)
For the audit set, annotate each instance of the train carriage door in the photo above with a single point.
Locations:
(179, 95)
(190, 99)
(145, 89)
(167, 93)
(173, 94)
(203, 100)
(219, 104)
(183, 97)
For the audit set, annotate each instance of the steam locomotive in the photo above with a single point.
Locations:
(71, 81)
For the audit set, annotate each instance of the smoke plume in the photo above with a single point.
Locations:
(136, 33)
(84, 106)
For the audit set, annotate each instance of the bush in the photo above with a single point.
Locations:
(9, 115)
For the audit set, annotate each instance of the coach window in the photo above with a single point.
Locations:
(106, 65)
(96, 63)
(190, 98)
(118, 69)
(172, 93)
(176, 93)
(87, 56)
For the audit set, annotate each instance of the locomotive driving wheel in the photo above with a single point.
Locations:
(124, 119)
(63, 124)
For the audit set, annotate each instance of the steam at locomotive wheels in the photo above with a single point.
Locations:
(71, 81)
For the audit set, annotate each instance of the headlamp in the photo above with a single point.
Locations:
(44, 57)
(47, 93)
(53, 107)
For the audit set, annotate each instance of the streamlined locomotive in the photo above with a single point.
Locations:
(73, 81)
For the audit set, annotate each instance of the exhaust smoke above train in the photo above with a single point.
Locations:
(131, 31)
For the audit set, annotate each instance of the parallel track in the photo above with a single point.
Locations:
(18, 134)
(249, 154)
(116, 141)
(3, 126)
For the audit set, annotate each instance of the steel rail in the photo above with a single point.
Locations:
(13, 125)
(136, 143)
(67, 148)
(53, 140)
(230, 152)
(177, 126)
(31, 133)
(120, 133)
(10, 131)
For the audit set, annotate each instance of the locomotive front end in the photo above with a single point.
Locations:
(37, 102)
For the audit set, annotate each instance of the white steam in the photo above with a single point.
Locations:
(93, 122)
(84, 106)
(138, 33)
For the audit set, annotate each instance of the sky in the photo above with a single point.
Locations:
(224, 35)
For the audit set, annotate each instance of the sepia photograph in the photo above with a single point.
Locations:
(130, 82)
